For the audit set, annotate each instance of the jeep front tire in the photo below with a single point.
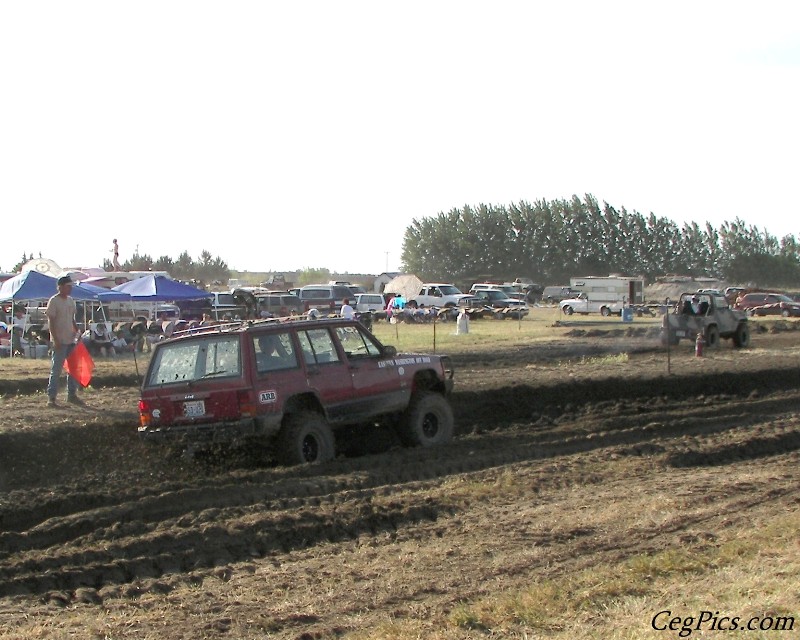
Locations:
(427, 422)
(305, 438)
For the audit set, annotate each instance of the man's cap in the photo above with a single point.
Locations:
(65, 280)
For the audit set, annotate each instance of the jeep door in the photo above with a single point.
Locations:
(278, 372)
(327, 371)
(380, 385)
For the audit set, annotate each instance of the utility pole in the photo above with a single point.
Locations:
(387, 262)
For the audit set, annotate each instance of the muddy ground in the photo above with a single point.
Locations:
(102, 536)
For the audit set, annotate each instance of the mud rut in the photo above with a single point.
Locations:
(95, 538)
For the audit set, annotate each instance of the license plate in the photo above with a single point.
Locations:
(194, 408)
(681, 334)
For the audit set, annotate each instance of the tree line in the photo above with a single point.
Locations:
(203, 271)
(553, 241)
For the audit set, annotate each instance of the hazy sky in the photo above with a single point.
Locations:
(284, 135)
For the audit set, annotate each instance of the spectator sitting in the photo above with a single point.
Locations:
(98, 340)
(347, 312)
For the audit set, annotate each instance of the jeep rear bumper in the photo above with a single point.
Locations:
(209, 433)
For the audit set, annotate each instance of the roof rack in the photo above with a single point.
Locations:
(235, 325)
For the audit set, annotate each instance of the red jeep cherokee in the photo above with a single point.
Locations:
(291, 382)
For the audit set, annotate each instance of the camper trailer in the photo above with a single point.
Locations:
(620, 289)
(603, 295)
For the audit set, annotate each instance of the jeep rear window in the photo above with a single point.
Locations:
(213, 357)
(317, 346)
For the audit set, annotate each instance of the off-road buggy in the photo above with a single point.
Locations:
(707, 314)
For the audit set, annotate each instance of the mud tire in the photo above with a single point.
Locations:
(712, 336)
(305, 438)
(427, 422)
(741, 338)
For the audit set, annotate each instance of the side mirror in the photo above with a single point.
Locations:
(389, 351)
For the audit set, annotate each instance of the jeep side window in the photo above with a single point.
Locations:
(356, 343)
(317, 346)
(274, 352)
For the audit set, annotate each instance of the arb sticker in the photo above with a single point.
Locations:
(267, 397)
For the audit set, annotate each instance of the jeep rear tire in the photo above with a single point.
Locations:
(741, 338)
(427, 422)
(305, 438)
(712, 337)
(568, 311)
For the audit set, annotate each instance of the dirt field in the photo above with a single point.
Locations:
(568, 458)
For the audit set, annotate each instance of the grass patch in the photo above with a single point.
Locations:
(752, 574)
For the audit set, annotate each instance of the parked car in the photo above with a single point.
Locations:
(509, 290)
(291, 385)
(499, 303)
(767, 304)
(555, 294)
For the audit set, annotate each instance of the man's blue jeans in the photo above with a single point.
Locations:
(57, 364)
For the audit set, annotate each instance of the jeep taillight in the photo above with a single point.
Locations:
(247, 406)
(144, 413)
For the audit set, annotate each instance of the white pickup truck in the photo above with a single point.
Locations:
(438, 295)
(583, 305)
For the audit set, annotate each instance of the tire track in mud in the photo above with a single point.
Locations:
(179, 529)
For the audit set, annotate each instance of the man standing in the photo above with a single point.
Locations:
(63, 331)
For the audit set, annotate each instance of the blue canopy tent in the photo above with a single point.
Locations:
(102, 294)
(157, 288)
(32, 287)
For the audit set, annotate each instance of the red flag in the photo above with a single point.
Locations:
(79, 364)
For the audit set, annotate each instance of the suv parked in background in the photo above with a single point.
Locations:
(278, 303)
(327, 298)
(373, 302)
(290, 384)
